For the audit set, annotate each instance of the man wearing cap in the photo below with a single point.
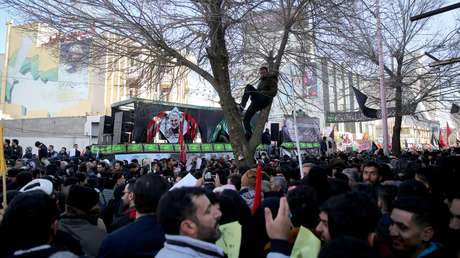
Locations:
(78, 220)
(28, 154)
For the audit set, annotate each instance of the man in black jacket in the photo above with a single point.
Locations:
(144, 237)
(267, 141)
(42, 150)
(7, 148)
(260, 97)
(16, 150)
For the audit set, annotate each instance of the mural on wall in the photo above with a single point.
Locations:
(39, 78)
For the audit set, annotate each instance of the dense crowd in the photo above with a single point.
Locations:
(76, 203)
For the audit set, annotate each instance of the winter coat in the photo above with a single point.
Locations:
(183, 246)
(268, 85)
(142, 238)
(89, 235)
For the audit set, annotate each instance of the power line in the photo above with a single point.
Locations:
(434, 12)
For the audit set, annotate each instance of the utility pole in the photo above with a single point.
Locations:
(295, 130)
(383, 98)
(434, 12)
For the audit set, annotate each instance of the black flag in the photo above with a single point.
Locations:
(454, 109)
(362, 98)
(434, 141)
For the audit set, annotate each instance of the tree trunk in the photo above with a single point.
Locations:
(396, 139)
(243, 149)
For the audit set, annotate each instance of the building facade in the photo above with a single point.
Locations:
(49, 74)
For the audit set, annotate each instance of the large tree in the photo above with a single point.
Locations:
(351, 40)
(209, 37)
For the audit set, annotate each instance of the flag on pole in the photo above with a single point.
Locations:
(364, 137)
(332, 133)
(441, 140)
(3, 168)
(346, 138)
(434, 141)
(362, 98)
(448, 132)
(257, 195)
(2, 155)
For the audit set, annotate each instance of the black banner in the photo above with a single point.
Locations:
(358, 116)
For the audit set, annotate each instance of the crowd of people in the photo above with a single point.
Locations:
(78, 204)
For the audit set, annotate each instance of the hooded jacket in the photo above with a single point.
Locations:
(268, 85)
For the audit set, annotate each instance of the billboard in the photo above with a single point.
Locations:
(309, 81)
(308, 128)
(46, 79)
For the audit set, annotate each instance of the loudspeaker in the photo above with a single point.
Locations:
(117, 128)
(105, 130)
(108, 124)
(274, 130)
(123, 126)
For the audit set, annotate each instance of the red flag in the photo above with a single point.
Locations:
(257, 196)
(448, 132)
(364, 137)
(441, 140)
(346, 138)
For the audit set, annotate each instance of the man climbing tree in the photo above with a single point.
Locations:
(260, 97)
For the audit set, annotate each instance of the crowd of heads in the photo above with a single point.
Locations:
(357, 204)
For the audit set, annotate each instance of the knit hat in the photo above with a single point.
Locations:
(249, 178)
(82, 197)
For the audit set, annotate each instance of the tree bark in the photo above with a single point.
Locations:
(218, 57)
(396, 139)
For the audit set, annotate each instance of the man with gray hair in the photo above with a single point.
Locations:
(279, 185)
(306, 167)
